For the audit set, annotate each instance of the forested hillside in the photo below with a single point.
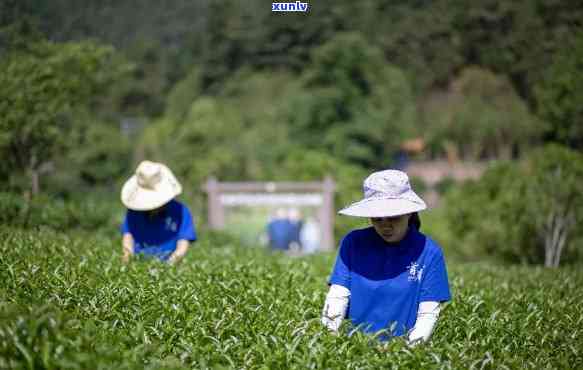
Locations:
(234, 90)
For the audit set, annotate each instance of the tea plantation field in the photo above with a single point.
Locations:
(68, 302)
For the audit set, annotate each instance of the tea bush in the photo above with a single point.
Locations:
(88, 214)
(66, 301)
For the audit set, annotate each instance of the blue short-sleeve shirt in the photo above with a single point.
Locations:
(279, 233)
(157, 236)
(387, 281)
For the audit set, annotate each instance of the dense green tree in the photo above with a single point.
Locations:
(516, 38)
(361, 64)
(247, 34)
(199, 146)
(483, 117)
(18, 25)
(39, 90)
(237, 135)
(261, 100)
(102, 155)
(420, 38)
(559, 95)
(182, 94)
(354, 104)
(142, 92)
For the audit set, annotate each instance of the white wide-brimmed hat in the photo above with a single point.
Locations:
(387, 193)
(152, 186)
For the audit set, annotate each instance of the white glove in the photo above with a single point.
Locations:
(335, 307)
(427, 315)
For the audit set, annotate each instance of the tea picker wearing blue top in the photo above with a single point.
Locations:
(155, 224)
(388, 277)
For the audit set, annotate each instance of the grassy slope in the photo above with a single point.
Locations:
(67, 302)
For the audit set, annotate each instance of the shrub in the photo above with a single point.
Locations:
(521, 212)
(89, 214)
(11, 207)
(479, 213)
(554, 202)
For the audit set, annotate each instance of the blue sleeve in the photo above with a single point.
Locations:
(124, 228)
(435, 284)
(269, 230)
(186, 231)
(341, 273)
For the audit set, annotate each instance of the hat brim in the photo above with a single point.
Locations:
(384, 207)
(137, 198)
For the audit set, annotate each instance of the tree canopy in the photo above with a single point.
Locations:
(231, 89)
(40, 89)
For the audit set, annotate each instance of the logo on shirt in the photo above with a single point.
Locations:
(170, 225)
(415, 271)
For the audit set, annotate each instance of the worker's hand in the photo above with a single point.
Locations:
(181, 248)
(125, 258)
(127, 247)
(173, 261)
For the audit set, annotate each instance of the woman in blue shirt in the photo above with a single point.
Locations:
(156, 224)
(388, 277)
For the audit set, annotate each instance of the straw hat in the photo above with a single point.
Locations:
(152, 186)
(386, 194)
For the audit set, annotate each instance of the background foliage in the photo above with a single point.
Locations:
(513, 210)
(230, 89)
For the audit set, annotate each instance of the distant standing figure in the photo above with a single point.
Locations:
(310, 236)
(278, 231)
(388, 276)
(155, 224)
(295, 226)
